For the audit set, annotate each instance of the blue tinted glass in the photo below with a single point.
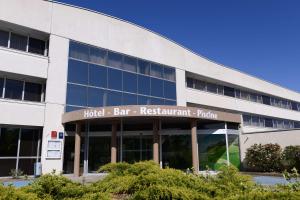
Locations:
(129, 99)
(1, 86)
(129, 64)
(156, 70)
(114, 79)
(114, 60)
(129, 82)
(169, 73)
(143, 67)
(98, 55)
(95, 97)
(169, 102)
(72, 108)
(170, 90)
(79, 51)
(157, 87)
(114, 98)
(157, 101)
(143, 85)
(142, 100)
(98, 76)
(76, 95)
(77, 72)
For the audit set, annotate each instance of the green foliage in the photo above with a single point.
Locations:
(291, 157)
(12, 193)
(264, 158)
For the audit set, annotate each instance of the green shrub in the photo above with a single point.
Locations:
(264, 158)
(291, 158)
(12, 193)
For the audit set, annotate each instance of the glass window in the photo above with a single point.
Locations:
(169, 90)
(129, 99)
(259, 98)
(98, 76)
(36, 46)
(157, 101)
(4, 38)
(157, 87)
(171, 103)
(189, 82)
(129, 82)
(27, 166)
(98, 55)
(9, 142)
(169, 73)
(156, 70)
(261, 121)
(1, 86)
(255, 121)
(220, 89)
(142, 100)
(33, 92)
(13, 89)
(95, 97)
(228, 91)
(253, 97)
(143, 67)
(29, 142)
(143, 85)
(297, 124)
(129, 64)
(79, 51)
(76, 95)
(18, 42)
(211, 87)
(114, 79)
(247, 120)
(268, 122)
(72, 108)
(114, 98)
(245, 95)
(200, 85)
(266, 100)
(77, 72)
(294, 105)
(114, 60)
(237, 93)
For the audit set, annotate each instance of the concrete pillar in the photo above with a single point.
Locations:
(77, 150)
(194, 146)
(113, 150)
(156, 141)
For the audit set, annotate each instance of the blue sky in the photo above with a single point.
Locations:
(259, 37)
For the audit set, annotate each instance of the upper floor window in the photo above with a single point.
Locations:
(18, 42)
(4, 35)
(36, 46)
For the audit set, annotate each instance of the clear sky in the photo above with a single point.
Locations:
(259, 37)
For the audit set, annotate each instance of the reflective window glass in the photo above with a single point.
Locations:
(297, 124)
(142, 100)
(157, 86)
(36, 46)
(72, 108)
(212, 87)
(76, 95)
(143, 67)
(129, 99)
(268, 122)
(266, 100)
(1, 86)
(18, 42)
(29, 142)
(4, 38)
(143, 85)
(220, 89)
(114, 98)
(26, 166)
(98, 76)
(200, 85)
(169, 73)
(114, 79)
(190, 82)
(98, 55)
(129, 64)
(114, 60)
(129, 82)
(33, 92)
(255, 121)
(245, 95)
(6, 165)
(293, 104)
(77, 72)
(253, 97)
(95, 97)
(156, 70)
(169, 102)
(237, 93)
(13, 89)
(157, 101)
(247, 120)
(228, 91)
(169, 90)
(79, 51)
(9, 142)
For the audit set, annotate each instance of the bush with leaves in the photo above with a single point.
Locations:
(291, 158)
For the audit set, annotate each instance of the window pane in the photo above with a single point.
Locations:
(95, 97)
(253, 97)
(266, 100)
(114, 79)
(220, 89)
(4, 38)
(200, 85)
(157, 86)
(143, 67)
(142, 100)
(18, 42)
(211, 87)
(79, 51)
(98, 76)
(169, 73)
(13, 89)
(36, 46)
(237, 93)
(27, 166)
(255, 121)
(77, 72)
(6, 165)
(169, 102)
(76, 95)
(157, 101)
(190, 82)
(294, 105)
(72, 108)
(9, 142)
(33, 92)
(1, 86)
(130, 64)
(247, 120)
(129, 82)
(129, 99)
(114, 98)
(114, 60)
(156, 70)
(268, 122)
(98, 56)
(169, 90)
(143, 85)
(245, 95)
(29, 142)
(228, 91)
